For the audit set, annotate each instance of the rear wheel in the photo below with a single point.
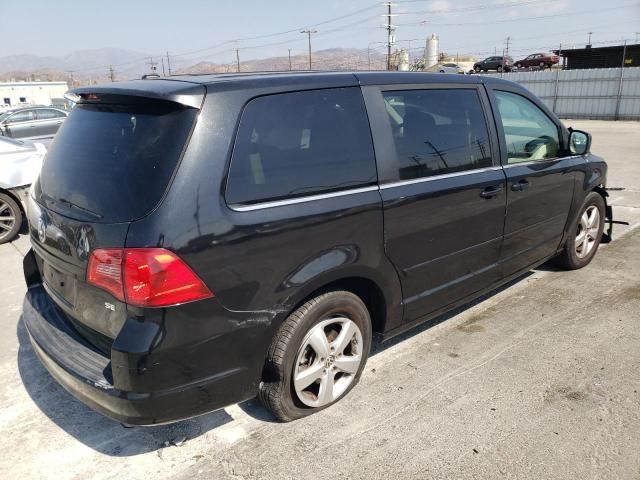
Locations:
(585, 234)
(317, 356)
(10, 218)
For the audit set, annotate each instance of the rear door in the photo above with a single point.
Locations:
(109, 165)
(48, 121)
(540, 177)
(442, 189)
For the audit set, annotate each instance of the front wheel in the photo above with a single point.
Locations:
(499, 69)
(317, 356)
(477, 69)
(585, 234)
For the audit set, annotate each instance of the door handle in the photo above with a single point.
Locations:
(491, 192)
(520, 186)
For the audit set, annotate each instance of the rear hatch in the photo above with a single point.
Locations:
(109, 165)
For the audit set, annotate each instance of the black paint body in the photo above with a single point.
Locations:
(411, 250)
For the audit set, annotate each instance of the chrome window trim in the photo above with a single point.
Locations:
(530, 162)
(438, 177)
(294, 201)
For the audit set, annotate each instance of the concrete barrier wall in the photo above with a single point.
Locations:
(599, 93)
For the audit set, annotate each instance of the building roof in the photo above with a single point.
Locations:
(567, 52)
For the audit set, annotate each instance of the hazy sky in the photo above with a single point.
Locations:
(196, 30)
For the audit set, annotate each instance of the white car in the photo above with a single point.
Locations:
(449, 68)
(20, 164)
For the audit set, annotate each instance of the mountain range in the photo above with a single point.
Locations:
(92, 66)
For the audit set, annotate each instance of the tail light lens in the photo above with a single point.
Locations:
(145, 277)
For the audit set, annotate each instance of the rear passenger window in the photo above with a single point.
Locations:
(529, 134)
(437, 131)
(301, 143)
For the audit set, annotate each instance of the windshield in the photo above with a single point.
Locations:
(113, 162)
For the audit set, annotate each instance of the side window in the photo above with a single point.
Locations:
(437, 131)
(530, 134)
(47, 113)
(301, 143)
(23, 116)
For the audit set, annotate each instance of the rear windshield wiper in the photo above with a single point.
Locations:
(48, 198)
(78, 207)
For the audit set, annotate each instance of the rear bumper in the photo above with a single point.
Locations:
(86, 373)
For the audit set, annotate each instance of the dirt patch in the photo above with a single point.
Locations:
(472, 328)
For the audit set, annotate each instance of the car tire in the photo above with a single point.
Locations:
(542, 65)
(585, 234)
(518, 66)
(499, 69)
(441, 71)
(10, 218)
(477, 69)
(310, 340)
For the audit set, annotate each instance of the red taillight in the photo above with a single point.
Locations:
(105, 271)
(145, 277)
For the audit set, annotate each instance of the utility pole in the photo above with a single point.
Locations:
(70, 72)
(390, 28)
(589, 42)
(309, 32)
(168, 63)
(112, 73)
(508, 40)
(153, 66)
(289, 59)
(237, 60)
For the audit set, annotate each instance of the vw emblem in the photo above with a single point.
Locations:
(42, 230)
(83, 246)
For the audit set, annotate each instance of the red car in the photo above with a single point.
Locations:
(541, 60)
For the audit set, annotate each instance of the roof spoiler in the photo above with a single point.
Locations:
(184, 93)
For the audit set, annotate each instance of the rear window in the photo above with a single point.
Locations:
(301, 143)
(114, 162)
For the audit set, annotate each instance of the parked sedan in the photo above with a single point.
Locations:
(448, 68)
(497, 63)
(31, 122)
(539, 60)
(20, 164)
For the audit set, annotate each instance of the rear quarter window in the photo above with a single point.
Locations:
(301, 143)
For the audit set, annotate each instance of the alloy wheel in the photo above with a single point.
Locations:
(328, 361)
(7, 219)
(587, 233)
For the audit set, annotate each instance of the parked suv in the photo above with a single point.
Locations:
(201, 240)
(538, 60)
(494, 63)
(32, 122)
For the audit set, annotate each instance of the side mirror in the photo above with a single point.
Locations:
(579, 142)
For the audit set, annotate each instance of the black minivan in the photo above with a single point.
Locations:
(198, 240)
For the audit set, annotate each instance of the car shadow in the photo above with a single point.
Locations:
(379, 347)
(93, 429)
(111, 438)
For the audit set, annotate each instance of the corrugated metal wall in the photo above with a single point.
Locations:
(594, 93)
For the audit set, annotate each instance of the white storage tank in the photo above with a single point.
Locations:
(403, 64)
(431, 53)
